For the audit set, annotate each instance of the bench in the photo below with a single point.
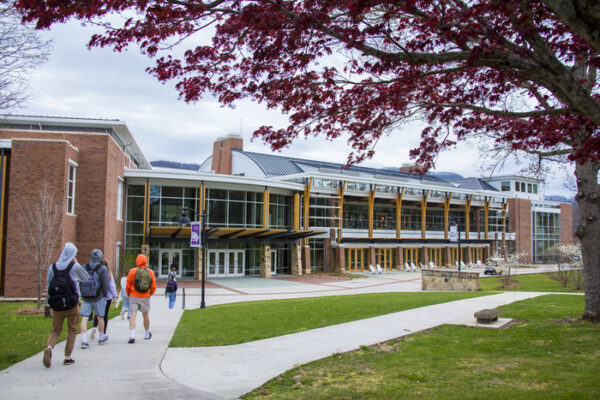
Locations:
(487, 315)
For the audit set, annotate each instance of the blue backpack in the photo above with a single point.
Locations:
(91, 288)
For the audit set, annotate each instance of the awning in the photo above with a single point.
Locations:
(177, 233)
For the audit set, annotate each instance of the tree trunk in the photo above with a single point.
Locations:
(588, 233)
(39, 287)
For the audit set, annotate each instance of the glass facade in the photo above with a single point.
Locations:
(545, 234)
(234, 208)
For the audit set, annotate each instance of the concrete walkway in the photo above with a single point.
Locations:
(148, 369)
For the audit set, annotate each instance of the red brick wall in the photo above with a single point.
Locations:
(94, 225)
(519, 214)
(33, 163)
(221, 158)
(566, 224)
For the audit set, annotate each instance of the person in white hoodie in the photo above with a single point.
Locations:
(76, 274)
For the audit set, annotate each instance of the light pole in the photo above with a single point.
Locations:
(455, 237)
(184, 220)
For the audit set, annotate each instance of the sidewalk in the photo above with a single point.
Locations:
(150, 370)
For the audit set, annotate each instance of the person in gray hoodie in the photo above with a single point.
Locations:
(96, 304)
(77, 274)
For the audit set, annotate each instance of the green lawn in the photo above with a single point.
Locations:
(25, 335)
(527, 283)
(245, 322)
(547, 353)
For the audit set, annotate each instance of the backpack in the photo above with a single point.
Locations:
(170, 286)
(62, 294)
(142, 280)
(91, 288)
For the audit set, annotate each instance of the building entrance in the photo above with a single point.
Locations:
(225, 263)
(168, 258)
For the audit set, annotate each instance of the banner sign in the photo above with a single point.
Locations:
(196, 234)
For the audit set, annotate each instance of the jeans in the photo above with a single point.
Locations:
(172, 297)
(126, 306)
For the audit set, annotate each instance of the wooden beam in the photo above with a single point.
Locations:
(341, 191)
(447, 200)
(371, 208)
(424, 213)
(399, 196)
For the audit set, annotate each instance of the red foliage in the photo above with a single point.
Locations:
(509, 68)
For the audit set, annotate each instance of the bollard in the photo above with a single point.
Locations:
(183, 299)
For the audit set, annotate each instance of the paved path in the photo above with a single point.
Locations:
(150, 370)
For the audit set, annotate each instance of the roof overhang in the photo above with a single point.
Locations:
(177, 233)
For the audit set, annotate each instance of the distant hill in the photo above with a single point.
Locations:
(175, 164)
(447, 176)
(560, 199)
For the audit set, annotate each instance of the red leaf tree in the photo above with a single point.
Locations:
(523, 72)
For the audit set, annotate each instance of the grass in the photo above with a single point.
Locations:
(245, 322)
(547, 353)
(527, 283)
(25, 335)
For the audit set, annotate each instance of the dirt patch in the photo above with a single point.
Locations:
(30, 311)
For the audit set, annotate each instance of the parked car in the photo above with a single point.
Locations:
(491, 271)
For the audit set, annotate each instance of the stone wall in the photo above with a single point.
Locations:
(440, 280)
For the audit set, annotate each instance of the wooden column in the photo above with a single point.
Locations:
(468, 215)
(424, 213)
(447, 200)
(399, 196)
(371, 207)
(341, 191)
(486, 215)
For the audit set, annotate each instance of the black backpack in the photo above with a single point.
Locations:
(62, 294)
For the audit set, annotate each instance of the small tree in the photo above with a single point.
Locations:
(40, 220)
(569, 257)
(510, 261)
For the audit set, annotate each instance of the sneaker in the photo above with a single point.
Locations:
(103, 340)
(122, 315)
(131, 340)
(47, 357)
(68, 361)
(148, 336)
(93, 334)
(85, 345)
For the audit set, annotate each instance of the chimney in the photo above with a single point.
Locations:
(411, 168)
(221, 158)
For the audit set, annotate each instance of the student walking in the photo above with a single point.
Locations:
(171, 291)
(141, 284)
(63, 297)
(123, 297)
(112, 298)
(94, 293)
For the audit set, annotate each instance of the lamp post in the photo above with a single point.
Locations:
(455, 237)
(184, 220)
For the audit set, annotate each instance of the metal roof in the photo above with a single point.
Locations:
(473, 184)
(275, 165)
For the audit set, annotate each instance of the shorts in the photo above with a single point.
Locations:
(98, 306)
(139, 303)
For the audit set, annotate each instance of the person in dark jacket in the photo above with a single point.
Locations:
(171, 291)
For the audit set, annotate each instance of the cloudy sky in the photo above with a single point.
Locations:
(100, 83)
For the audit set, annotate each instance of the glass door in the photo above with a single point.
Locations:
(273, 262)
(225, 263)
(169, 258)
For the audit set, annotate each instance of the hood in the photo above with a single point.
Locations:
(141, 261)
(66, 256)
(97, 255)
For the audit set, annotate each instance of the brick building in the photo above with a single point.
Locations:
(264, 214)
(82, 163)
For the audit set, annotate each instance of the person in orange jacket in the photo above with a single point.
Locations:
(141, 284)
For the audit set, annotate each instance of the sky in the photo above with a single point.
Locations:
(101, 83)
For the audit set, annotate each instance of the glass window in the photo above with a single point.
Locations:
(120, 186)
(71, 189)
(535, 189)
(505, 186)
(529, 188)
